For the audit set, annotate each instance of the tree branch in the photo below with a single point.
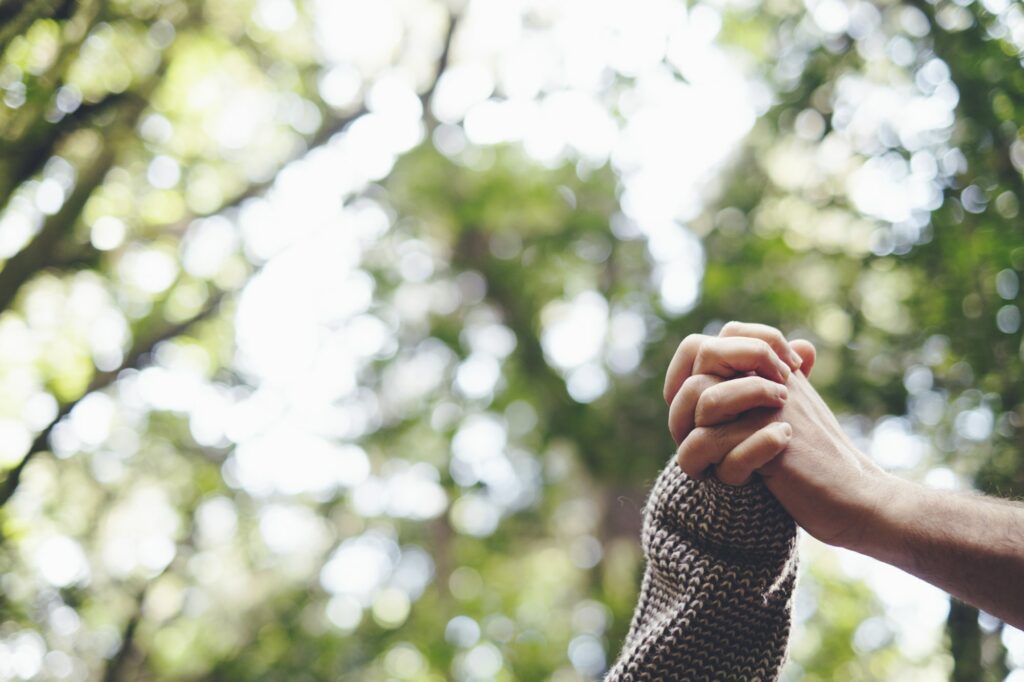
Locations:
(442, 65)
(25, 153)
(329, 129)
(139, 353)
(112, 673)
(26, 157)
(9, 10)
(39, 253)
(37, 9)
(34, 257)
(86, 15)
(136, 357)
(114, 669)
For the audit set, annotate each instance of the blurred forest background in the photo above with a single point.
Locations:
(333, 332)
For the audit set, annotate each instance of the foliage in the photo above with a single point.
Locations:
(308, 373)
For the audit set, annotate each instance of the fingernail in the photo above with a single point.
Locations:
(781, 391)
(796, 359)
(784, 368)
(786, 429)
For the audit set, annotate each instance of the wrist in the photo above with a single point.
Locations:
(881, 506)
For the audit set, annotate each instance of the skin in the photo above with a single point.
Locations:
(729, 418)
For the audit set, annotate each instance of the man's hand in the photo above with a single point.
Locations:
(829, 486)
(740, 424)
(973, 547)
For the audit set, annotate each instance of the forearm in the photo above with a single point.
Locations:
(970, 546)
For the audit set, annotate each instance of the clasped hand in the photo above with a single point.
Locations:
(740, 406)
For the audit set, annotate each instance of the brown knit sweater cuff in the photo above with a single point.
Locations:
(739, 523)
(716, 596)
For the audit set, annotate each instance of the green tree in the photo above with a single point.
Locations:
(308, 375)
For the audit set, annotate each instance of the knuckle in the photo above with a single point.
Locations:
(700, 438)
(771, 441)
(692, 391)
(700, 357)
(692, 342)
(762, 347)
(683, 362)
(681, 460)
(692, 387)
(775, 438)
(768, 390)
(707, 405)
(683, 455)
(687, 460)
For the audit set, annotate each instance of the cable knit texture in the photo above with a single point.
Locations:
(716, 598)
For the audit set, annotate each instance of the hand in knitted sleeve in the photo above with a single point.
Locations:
(717, 593)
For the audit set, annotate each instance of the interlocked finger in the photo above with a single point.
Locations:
(740, 464)
(731, 356)
(725, 357)
(684, 405)
(706, 446)
(723, 402)
(770, 335)
(681, 366)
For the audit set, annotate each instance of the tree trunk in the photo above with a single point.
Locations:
(964, 642)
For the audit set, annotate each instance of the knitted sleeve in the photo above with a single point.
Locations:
(717, 593)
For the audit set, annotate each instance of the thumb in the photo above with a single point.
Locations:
(805, 349)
